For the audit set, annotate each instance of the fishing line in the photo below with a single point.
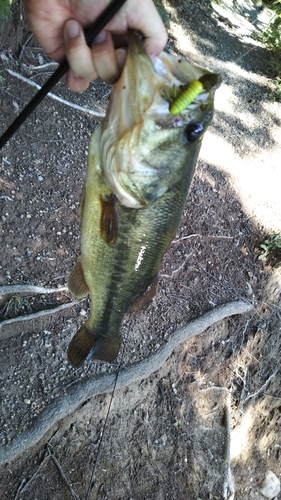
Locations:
(103, 430)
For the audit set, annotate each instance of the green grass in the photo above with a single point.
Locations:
(16, 306)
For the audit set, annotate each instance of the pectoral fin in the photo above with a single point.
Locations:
(109, 219)
(76, 281)
(85, 345)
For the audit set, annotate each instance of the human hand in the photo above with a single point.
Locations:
(58, 27)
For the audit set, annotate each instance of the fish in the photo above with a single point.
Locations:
(141, 163)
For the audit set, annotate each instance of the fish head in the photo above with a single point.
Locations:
(145, 149)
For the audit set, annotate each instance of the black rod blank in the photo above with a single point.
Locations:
(90, 34)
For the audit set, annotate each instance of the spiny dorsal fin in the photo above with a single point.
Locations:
(76, 281)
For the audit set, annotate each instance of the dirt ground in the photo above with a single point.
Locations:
(166, 434)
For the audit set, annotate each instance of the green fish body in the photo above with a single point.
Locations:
(141, 163)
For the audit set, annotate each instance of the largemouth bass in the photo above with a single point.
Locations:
(141, 162)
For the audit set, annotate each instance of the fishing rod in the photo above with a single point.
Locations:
(90, 34)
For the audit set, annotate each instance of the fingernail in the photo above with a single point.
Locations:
(153, 59)
(101, 37)
(72, 29)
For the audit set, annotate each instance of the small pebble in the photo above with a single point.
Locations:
(270, 487)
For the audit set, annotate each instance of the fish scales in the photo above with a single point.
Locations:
(139, 170)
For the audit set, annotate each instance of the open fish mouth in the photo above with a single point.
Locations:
(140, 109)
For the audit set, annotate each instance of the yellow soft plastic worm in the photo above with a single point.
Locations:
(186, 97)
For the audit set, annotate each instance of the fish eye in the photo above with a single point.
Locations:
(193, 131)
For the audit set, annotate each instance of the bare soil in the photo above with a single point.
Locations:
(166, 435)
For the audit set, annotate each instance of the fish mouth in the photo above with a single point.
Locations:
(141, 101)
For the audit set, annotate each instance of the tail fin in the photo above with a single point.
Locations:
(85, 345)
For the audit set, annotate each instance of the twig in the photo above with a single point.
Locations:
(85, 389)
(6, 198)
(63, 476)
(47, 65)
(20, 488)
(25, 483)
(196, 235)
(175, 271)
(215, 388)
(55, 97)
(24, 45)
(262, 387)
(244, 387)
(228, 483)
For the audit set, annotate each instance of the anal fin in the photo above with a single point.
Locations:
(76, 281)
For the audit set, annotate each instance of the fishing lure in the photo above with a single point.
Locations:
(186, 97)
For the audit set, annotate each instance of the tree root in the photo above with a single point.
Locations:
(28, 289)
(228, 483)
(7, 326)
(80, 391)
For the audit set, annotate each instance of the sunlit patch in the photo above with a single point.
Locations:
(240, 438)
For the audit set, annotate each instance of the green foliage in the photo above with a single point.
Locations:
(271, 244)
(271, 36)
(5, 9)
(274, 5)
(275, 89)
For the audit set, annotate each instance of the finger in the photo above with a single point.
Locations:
(151, 26)
(121, 55)
(104, 57)
(75, 82)
(77, 52)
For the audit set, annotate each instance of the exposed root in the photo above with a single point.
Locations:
(29, 289)
(7, 327)
(80, 391)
